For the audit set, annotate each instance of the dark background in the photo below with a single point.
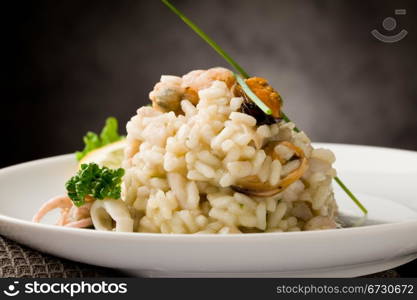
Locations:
(76, 62)
(70, 64)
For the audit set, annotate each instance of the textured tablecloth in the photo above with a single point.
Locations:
(19, 261)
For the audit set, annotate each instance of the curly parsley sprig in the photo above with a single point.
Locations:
(95, 181)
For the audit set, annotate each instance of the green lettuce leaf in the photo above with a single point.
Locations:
(109, 134)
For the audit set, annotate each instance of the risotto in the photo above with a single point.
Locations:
(202, 165)
(213, 153)
(203, 158)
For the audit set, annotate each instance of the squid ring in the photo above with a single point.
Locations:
(108, 211)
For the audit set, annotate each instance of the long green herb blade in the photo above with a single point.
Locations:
(252, 95)
(351, 195)
(205, 37)
(238, 68)
(286, 119)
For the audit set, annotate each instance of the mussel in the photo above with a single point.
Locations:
(251, 185)
(266, 94)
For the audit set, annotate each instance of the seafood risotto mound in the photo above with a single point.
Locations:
(196, 163)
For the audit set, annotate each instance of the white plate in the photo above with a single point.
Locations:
(385, 179)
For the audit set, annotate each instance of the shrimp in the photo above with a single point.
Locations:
(62, 202)
(86, 222)
(200, 79)
(71, 216)
(82, 211)
(167, 94)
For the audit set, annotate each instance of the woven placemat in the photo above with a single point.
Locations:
(18, 261)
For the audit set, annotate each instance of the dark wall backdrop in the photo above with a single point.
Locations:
(73, 63)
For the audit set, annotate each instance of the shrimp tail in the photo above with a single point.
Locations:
(63, 202)
(86, 222)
